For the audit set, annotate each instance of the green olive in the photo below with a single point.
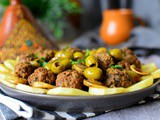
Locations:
(66, 63)
(91, 61)
(57, 67)
(117, 54)
(78, 55)
(48, 66)
(93, 73)
(35, 62)
(79, 67)
(101, 49)
(58, 54)
(92, 52)
(64, 55)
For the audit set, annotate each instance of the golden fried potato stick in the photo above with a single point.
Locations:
(67, 91)
(30, 89)
(7, 83)
(12, 79)
(10, 64)
(106, 91)
(141, 85)
(4, 69)
(42, 85)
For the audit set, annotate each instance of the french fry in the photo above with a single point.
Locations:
(12, 79)
(154, 75)
(67, 91)
(7, 83)
(10, 64)
(149, 68)
(42, 85)
(3, 69)
(141, 85)
(30, 89)
(106, 91)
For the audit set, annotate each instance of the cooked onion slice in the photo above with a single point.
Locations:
(136, 70)
(30, 89)
(93, 83)
(42, 85)
(12, 79)
(67, 91)
(105, 91)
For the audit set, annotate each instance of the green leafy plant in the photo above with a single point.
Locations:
(52, 12)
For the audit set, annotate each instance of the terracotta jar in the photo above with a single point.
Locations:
(13, 14)
(116, 26)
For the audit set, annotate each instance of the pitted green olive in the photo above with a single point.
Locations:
(101, 49)
(58, 54)
(93, 73)
(91, 61)
(35, 62)
(116, 53)
(78, 55)
(57, 67)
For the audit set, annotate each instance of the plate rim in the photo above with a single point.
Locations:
(77, 97)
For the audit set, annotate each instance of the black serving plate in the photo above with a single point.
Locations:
(81, 103)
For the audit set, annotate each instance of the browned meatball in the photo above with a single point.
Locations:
(47, 54)
(27, 57)
(117, 78)
(72, 50)
(70, 78)
(104, 60)
(124, 64)
(23, 70)
(131, 58)
(41, 75)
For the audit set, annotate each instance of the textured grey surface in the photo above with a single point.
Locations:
(149, 111)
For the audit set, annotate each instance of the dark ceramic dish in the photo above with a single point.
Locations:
(86, 103)
(81, 103)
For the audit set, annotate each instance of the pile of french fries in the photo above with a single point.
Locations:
(7, 78)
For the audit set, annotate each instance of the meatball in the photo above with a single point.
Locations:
(47, 54)
(131, 58)
(72, 50)
(124, 64)
(27, 57)
(70, 78)
(104, 60)
(41, 75)
(117, 78)
(23, 70)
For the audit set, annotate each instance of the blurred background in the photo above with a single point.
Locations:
(67, 20)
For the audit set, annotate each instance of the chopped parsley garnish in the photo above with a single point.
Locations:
(82, 60)
(116, 66)
(36, 55)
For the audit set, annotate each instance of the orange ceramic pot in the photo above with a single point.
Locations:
(116, 26)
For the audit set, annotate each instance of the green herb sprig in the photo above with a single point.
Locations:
(82, 60)
(116, 66)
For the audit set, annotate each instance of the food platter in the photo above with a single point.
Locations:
(81, 103)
